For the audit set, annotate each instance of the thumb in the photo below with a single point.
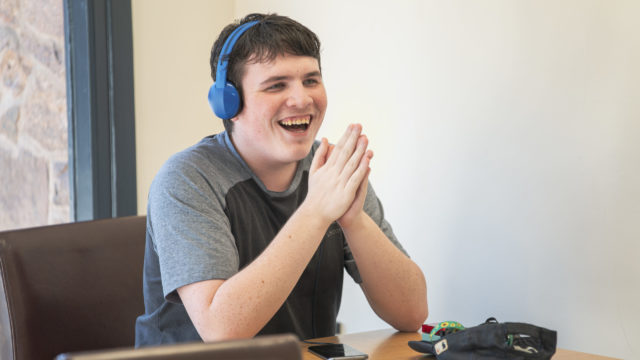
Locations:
(320, 157)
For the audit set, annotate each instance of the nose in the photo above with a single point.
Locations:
(299, 97)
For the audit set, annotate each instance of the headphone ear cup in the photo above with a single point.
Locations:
(224, 101)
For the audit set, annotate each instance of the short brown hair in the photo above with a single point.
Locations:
(272, 36)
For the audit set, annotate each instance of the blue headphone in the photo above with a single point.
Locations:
(224, 98)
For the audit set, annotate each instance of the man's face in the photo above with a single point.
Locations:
(284, 104)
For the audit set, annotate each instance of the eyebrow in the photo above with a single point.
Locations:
(280, 78)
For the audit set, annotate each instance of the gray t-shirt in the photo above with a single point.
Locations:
(208, 217)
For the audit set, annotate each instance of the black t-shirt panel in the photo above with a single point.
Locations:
(256, 217)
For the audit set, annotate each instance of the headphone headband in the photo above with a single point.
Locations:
(223, 97)
(223, 58)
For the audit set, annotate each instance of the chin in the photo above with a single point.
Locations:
(300, 152)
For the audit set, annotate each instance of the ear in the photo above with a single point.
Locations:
(239, 115)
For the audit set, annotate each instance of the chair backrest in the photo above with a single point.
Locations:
(70, 287)
(269, 347)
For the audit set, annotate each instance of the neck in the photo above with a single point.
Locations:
(275, 176)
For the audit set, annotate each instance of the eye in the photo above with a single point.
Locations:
(276, 87)
(311, 82)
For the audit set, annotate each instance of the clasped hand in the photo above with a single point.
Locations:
(338, 177)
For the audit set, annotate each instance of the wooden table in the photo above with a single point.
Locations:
(390, 344)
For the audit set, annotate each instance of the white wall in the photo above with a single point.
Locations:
(507, 141)
(171, 45)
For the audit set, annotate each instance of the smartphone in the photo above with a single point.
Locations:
(337, 352)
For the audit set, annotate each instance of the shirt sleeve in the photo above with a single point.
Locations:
(190, 231)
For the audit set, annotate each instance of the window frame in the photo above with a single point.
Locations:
(100, 108)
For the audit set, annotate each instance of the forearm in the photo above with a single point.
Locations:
(244, 303)
(394, 285)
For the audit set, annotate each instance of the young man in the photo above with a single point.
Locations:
(249, 230)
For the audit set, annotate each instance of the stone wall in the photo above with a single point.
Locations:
(34, 176)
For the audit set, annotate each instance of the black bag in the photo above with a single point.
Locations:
(492, 340)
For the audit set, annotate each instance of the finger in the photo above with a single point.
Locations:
(365, 183)
(346, 145)
(362, 189)
(331, 147)
(356, 157)
(369, 154)
(343, 138)
(320, 156)
(359, 175)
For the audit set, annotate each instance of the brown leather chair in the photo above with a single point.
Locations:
(70, 287)
(270, 347)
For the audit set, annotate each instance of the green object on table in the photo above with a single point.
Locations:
(442, 329)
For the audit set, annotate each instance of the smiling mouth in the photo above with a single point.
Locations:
(296, 124)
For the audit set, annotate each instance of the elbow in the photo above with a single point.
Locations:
(412, 320)
(417, 311)
(222, 335)
(416, 315)
(223, 328)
